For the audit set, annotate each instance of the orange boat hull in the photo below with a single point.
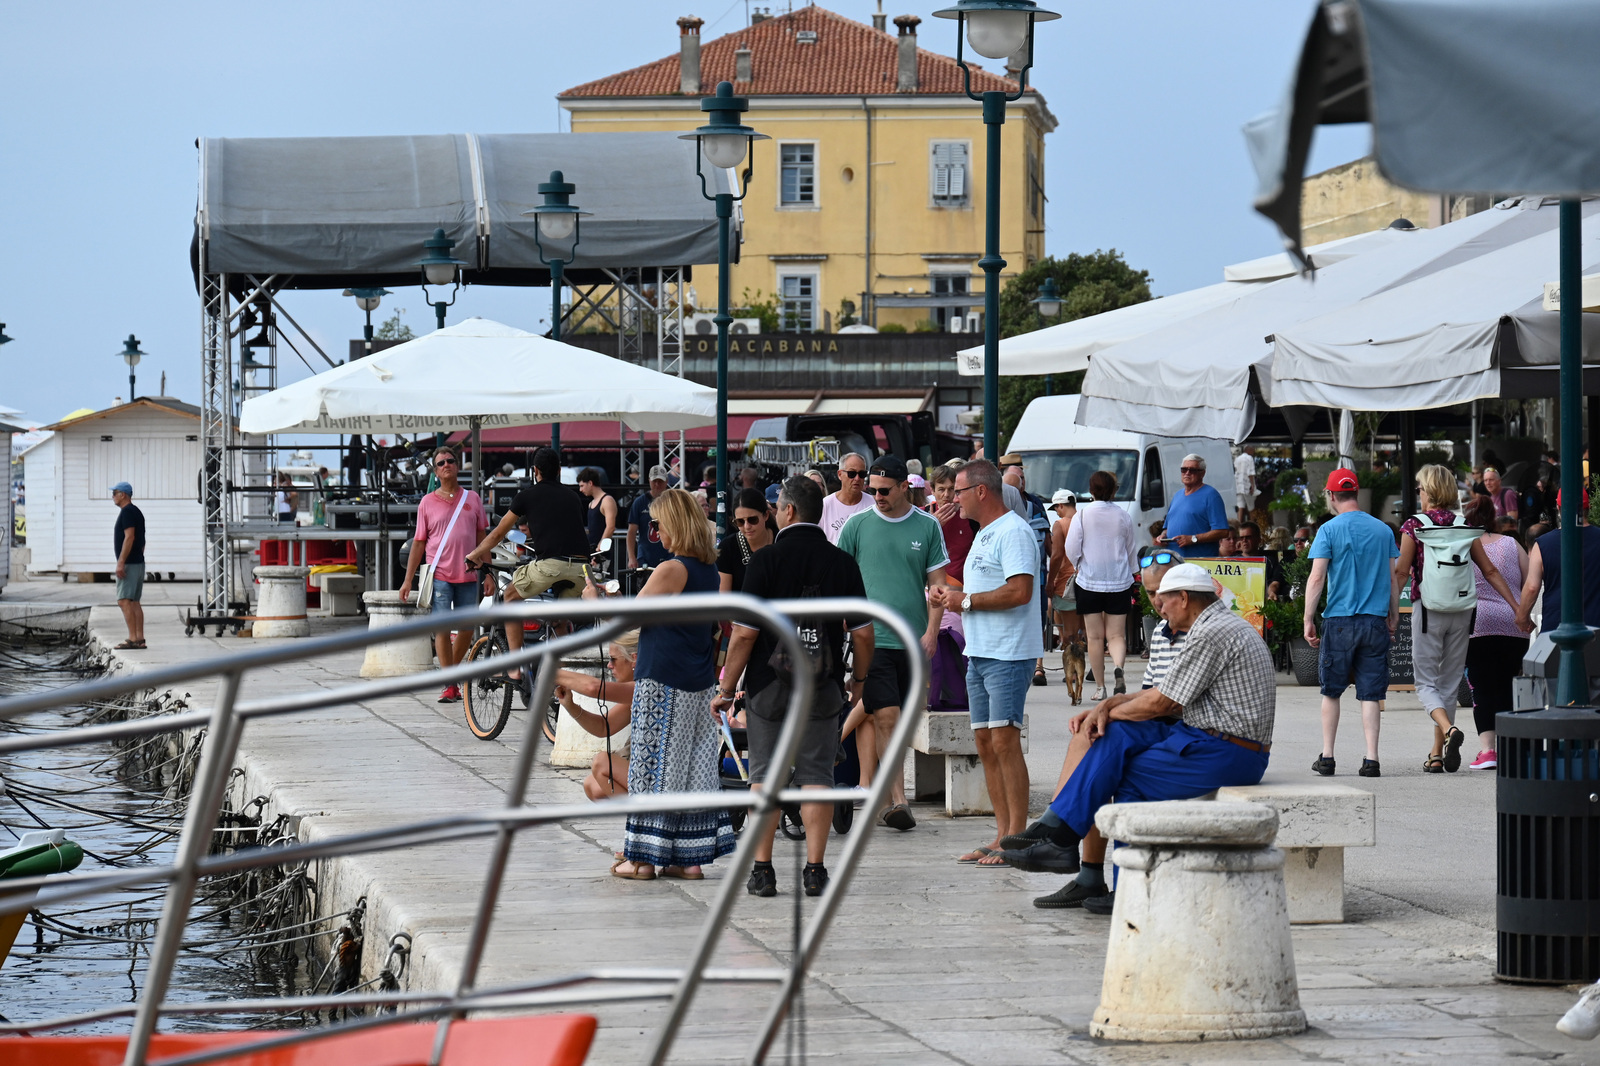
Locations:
(540, 1040)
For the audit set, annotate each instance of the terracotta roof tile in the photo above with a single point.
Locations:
(848, 59)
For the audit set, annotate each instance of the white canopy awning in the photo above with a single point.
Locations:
(1439, 338)
(1067, 347)
(484, 372)
(1194, 378)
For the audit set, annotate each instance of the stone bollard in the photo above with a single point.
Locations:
(1200, 946)
(575, 746)
(281, 606)
(413, 655)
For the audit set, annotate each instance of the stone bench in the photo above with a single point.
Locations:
(340, 595)
(394, 658)
(945, 760)
(1316, 822)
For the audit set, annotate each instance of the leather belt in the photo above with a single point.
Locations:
(1247, 745)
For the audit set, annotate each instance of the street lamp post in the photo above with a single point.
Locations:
(368, 300)
(996, 29)
(1048, 304)
(3, 338)
(441, 269)
(1572, 679)
(556, 221)
(724, 141)
(131, 355)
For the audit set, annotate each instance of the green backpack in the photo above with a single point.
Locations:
(1448, 580)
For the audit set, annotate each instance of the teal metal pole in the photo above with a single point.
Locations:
(994, 116)
(556, 266)
(1572, 684)
(723, 319)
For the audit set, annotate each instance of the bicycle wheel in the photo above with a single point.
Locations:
(487, 699)
(551, 715)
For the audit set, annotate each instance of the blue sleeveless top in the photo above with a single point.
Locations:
(1550, 554)
(683, 657)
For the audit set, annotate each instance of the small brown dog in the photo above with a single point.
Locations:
(1074, 664)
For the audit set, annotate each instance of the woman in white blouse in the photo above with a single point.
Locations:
(1100, 547)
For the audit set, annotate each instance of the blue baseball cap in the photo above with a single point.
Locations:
(772, 493)
(122, 486)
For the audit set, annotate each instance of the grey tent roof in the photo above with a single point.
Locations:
(336, 211)
(1470, 96)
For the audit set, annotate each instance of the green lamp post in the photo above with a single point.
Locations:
(1048, 305)
(3, 338)
(440, 268)
(1572, 679)
(368, 300)
(724, 142)
(556, 221)
(995, 29)
(131, 355)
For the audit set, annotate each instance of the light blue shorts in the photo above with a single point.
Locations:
(454, 596)
(997, 690)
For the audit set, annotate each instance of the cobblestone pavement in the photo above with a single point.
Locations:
(929, 961)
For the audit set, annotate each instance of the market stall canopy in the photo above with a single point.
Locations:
(1199, 378)
(1454, 331)
(1466, 95)
(1066, 347)
(479, 372)
(329, 212)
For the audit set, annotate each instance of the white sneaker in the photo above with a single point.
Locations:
(1582, 1022)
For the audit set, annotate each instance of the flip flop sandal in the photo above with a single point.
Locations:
(634, 875)
(682, 874)
(992, 861)
(1452, 749)
(1433, 764)
(130, 645)
(971, 858)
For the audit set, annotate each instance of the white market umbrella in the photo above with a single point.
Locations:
(479, 374)
(1068, 346)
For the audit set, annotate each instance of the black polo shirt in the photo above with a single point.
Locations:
(556, 517)
(800, 563)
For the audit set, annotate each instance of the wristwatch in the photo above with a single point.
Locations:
(966, 602)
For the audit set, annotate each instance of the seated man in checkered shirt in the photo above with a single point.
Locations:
(1223, 687)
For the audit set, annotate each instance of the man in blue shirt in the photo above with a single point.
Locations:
(644, 542)
(1351, 556)
(1196, 518)
(999, 606)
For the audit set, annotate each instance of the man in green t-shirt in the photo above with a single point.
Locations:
(900, 551)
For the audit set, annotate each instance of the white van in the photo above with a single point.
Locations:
(1057, 453)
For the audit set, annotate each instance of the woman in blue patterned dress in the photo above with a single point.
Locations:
(675, 740)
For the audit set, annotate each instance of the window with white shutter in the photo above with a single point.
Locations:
(797, 174)
(948, 177)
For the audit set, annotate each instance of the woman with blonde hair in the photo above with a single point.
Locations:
(1439, 639)
(608, 773)
(675, 739)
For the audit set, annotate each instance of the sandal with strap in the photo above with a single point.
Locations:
(1452, 750)
(1433, 764)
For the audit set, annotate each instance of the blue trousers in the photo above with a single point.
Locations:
(1140, 761)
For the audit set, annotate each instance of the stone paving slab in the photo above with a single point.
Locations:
(928, 961)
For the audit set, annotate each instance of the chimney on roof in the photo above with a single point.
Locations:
(741, 62)
(879, 19)
(907, 25)
(758, 15)
(689, 55)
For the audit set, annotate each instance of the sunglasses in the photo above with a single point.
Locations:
(1190, 470)
(1156, 559)
(885, 491)
(655, 526)
(852, 473)
(1302, 540)
(969, 488)
(753, 520)
(445, 462)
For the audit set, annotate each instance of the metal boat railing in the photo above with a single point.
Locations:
(224, 724)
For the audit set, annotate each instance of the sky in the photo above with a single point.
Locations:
(104, 102)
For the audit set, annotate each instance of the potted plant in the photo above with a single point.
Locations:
(1149, 617)
(1286, 623)
(1289, 503)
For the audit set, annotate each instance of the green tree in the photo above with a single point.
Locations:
(1088, 285)
(393, 329)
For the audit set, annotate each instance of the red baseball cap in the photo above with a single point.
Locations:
(1343, 480)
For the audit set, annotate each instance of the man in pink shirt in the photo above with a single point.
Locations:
(450, 522)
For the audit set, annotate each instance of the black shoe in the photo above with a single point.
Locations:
(1452, 750)
(1039, 680)
(1088, 675)
(763, 882)
(1072, 894)
(899, 817)
(1369, 768)
(1018, 841)
(1100, 904)
(1043, 857)
(814, 878)
(1119, 688)
(1323, 765)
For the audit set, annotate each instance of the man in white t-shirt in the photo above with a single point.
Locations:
(999, 607)
(850, 499)
(1244, 483)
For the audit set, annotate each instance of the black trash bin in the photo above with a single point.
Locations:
(1547, 893)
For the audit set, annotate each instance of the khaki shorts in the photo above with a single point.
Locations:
(536, 577)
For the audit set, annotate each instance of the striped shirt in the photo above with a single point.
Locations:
(1163, 649)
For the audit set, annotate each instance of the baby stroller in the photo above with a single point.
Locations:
(846, 774)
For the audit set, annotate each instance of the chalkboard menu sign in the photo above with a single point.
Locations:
(1401, 672)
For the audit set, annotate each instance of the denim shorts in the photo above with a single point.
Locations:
(454, 596)
(1355, 648)
(997, 690)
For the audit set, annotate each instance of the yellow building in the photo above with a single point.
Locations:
(1354, 198)
(870, 193)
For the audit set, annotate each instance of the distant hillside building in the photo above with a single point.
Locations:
(870, 193)
(1354, 198)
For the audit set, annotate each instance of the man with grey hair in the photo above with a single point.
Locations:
(1207, 725)
(1196, 518)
